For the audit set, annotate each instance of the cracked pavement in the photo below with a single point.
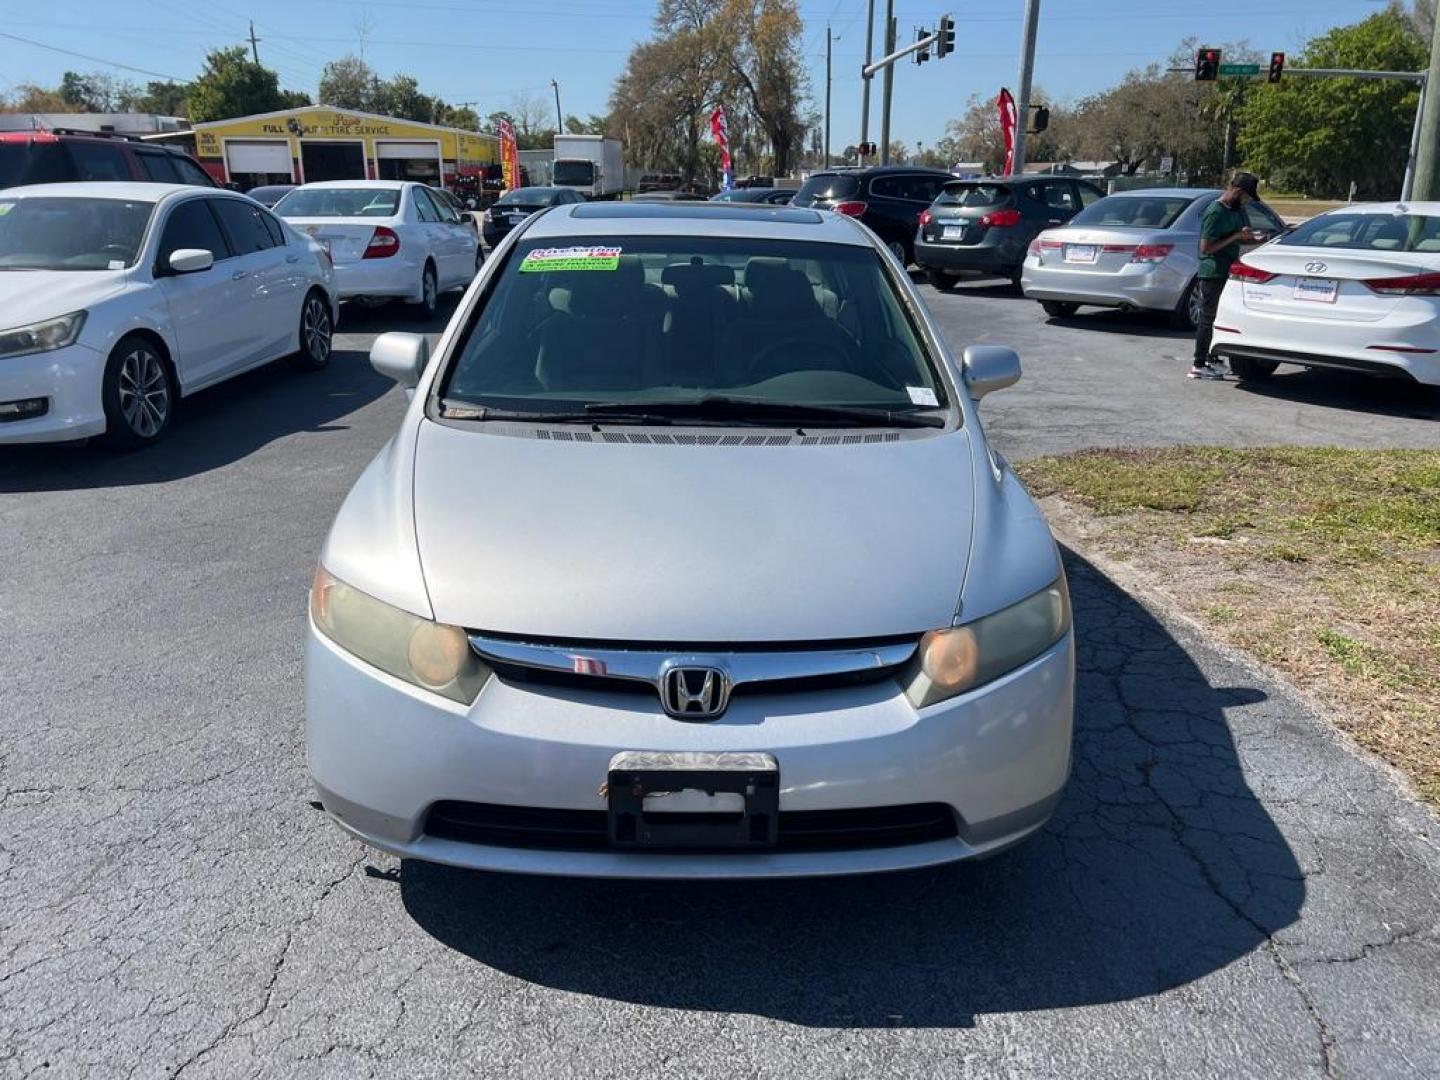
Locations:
(1226, 889)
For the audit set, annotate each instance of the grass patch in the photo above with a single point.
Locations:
(1298, 206)
(1324, 563)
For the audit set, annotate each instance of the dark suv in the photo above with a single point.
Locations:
(53, 157)
(984, 226)
(888, 198)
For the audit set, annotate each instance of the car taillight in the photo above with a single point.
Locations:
(1243, 271)
(1044, 243)
(1151, 253)
(1412, 285)
(1001, 218)
(851, 208)
(926, 217)
(383, 243)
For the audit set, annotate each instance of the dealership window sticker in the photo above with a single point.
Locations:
(544, 260)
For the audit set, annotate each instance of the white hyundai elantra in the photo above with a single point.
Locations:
(117, 299)
(1356, 288)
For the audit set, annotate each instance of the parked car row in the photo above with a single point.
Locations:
(122, 297)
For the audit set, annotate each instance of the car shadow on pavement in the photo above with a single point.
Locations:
(1349, 392)
(211, 429)
(1147, 324)
(1160, 867)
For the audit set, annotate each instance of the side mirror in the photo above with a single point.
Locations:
(989, 368)
(190, 260)
(401, 357)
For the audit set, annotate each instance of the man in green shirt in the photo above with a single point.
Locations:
(1222, 231)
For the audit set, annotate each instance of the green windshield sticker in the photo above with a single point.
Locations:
(5, 208)
(571, 258)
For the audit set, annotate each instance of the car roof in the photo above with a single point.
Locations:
(1425, 209)
(1167, 192)
(871, 170)
(112, 189)
(378, 185)
(701, 218)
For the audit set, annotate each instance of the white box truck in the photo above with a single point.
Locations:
(591, 164)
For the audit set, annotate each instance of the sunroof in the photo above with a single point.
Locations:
(785, 215)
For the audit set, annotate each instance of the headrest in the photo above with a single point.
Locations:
(696, 277)
(600, 293)
(778, 291)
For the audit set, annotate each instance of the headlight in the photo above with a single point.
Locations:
(428, 654)
(42, 336)
(952, 661)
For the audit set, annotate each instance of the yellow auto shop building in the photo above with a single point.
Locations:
(317, 142)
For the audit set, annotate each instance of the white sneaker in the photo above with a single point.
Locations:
(1206, 371)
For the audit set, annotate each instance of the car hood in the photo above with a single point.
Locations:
(610, 540)
(28, 296)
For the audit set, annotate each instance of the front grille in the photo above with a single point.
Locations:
(585, 830)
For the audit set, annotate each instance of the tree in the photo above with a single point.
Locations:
(763, 49)
(96, 92)
(1318, 135)
(401, 98)
(976, 136)
(464, 117)
(348, 83)
(163, 99)
(29, 98)
(234, 85)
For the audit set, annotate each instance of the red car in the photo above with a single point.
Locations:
(51, 157)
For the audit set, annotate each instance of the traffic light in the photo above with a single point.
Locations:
(923, 53)
(866, 149)
(1042, 119)
(1277, 66)
(1207, 65)
(946, 43)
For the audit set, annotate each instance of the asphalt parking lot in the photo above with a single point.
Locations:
(1226, 889)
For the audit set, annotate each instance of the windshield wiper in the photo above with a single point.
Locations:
(452, 409)
(743, 410)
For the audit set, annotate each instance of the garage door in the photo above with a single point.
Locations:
(258, 157)
(392, 150)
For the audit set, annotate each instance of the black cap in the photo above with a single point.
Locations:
(1249, 183)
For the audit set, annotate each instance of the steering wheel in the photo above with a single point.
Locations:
(765, 359)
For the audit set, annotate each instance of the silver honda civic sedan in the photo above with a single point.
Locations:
(690, 560)
(1134, 250)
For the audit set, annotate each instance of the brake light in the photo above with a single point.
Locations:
(1044, 243)
(383, 243)
(1151, 253)
(1412, 285)
(1243, 271)
(926, 217)
(853, 208)
(1001, 218)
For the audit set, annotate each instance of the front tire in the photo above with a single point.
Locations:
(1059, 309)
(901, 251)
(137, 392)
(317, 333)
(1248, 368)
(429, 292)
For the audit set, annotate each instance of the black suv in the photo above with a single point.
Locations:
(985, 225)
(888, 198)
(55, 156)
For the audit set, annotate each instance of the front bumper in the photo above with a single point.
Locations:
(1151, 286)
(1350, 346)
(69, 379)
(397, 277)
(382, 753)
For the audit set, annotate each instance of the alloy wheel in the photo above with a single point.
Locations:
(897, 249)
(1195, 305)
(144, 393)
(317, 331)
(428, 291)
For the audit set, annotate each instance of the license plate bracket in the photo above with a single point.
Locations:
(637, 774)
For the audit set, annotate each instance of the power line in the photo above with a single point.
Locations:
(87, 56)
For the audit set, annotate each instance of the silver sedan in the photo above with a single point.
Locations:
(1134, 250)
(690, 559)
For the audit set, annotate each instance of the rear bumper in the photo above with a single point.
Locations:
(398, 276)
(1348, 346)
(975, 258)
(1154, 287)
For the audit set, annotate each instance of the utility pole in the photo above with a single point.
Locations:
(254, 43)
(865, 79)
(828, 43)
(559, 120)
(889, 79)
(1027, 75)
(1426, 183)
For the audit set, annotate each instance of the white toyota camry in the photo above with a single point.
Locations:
(390, 240)
(1356, 288)
(118, 298)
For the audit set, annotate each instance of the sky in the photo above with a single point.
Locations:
(486, 51)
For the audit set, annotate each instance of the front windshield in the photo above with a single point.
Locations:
(1369, 232)
(1134, 211)
(71, 234)
(339, 202)
(648, 319)
(574, 173)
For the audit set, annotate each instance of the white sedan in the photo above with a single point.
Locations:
(120, 298)
(389, 239)
(1356, 288)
